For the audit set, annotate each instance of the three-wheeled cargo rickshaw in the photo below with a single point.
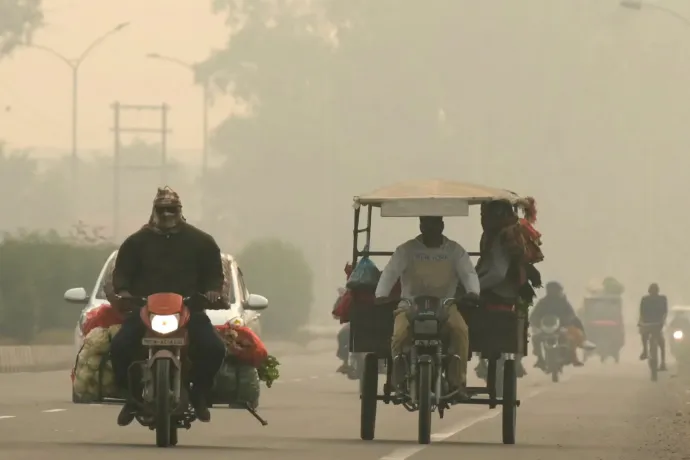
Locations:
(495, 334)
(602, 317)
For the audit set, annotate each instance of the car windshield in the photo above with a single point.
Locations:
(100, 294)
(230, 290)
(229, 285)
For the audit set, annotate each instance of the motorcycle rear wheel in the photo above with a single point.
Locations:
(424, 428)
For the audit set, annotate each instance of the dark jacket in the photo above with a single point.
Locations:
(187, 261)
(557, 306)
(653, 309)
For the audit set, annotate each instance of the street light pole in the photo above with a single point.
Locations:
(206, 93)
(639, 5)
(75, 110)
(204, 146)
(74, 65)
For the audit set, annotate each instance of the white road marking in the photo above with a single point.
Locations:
(3, 417)
(314, 377)
(404, 453)
(50, 411)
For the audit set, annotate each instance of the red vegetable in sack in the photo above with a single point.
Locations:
(244, 344)
(102, 316)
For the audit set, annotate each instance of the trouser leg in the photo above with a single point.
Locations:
(458, 347)
(537, 341)
(125, 347)
(662, 346)
(206, 351)
(343, 343)
(401, 337)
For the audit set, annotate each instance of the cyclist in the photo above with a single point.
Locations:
(653, 312)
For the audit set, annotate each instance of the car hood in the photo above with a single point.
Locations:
(220, 317)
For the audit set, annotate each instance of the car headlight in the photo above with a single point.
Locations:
(165, 324)
(678, 335)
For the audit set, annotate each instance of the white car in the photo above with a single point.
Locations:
(243, 310)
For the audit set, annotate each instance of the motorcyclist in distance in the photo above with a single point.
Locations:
(556, 303)
(169, 255)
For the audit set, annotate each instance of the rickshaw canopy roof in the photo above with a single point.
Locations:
(442, 197)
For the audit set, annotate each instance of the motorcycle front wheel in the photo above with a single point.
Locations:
(164, 430)
(424, 436)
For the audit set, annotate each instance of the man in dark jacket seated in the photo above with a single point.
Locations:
(555, 303)
(169, 255)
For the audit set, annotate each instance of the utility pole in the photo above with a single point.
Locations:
(205, 151)
(75, 65)
(118, 166)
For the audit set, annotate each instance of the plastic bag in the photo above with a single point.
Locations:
(342, 309)
(365, 275)
(243, 344)
(236, 383)
(612, 286)
(103, 316)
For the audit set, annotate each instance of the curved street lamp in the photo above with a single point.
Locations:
(639, 5)
(74, 65)
(206, 92)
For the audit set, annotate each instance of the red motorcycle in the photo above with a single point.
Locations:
(164, 405)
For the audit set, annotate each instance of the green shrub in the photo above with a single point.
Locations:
(35, 270)
(279, 271)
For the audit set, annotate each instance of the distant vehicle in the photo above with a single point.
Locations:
(238, 294)
(678, 331)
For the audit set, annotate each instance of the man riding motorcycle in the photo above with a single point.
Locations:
(556, 304)
(432, 265)
(653, 312)
(169, 255)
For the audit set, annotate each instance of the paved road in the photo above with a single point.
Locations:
(598, 412)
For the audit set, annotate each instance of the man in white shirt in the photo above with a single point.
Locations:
(432, 265)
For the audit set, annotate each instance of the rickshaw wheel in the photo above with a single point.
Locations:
(424, 428)
(509, 401)
(500, 377)
(369, 394)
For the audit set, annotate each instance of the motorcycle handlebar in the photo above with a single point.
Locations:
(141, 301)
(471, 301)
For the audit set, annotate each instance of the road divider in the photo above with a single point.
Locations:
(55, 357)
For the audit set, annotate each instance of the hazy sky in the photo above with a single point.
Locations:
(37, 86)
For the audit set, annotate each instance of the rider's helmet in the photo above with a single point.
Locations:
(554, 288)
(653, 289)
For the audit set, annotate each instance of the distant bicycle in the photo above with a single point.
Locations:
(654, 333)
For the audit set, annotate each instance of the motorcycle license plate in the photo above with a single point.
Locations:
(163, 341)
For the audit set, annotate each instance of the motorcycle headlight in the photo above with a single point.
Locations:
(678, 335)
(548, 330)
(165, 324)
